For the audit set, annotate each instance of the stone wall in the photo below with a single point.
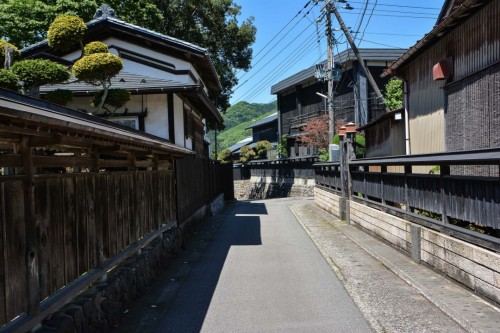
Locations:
(266, 188)
(99, 308)
(473, 266)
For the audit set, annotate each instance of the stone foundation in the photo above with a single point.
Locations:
(471, 265)
(266, 188)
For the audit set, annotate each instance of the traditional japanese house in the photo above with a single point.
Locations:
(354, 99)
(170, 80)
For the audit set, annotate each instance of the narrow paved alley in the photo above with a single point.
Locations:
(254, 268)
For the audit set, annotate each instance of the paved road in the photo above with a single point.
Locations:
(261, 273)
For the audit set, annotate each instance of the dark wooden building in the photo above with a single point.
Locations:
(354, 98)
(266, 129)
(452, 80)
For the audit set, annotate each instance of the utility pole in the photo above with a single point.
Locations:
(356, 52)
(329, 66)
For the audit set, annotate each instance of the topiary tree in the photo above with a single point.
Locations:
(3, 46)
(224, 156)
(98, 69)
(95, 47)
(39, 72)
(116, 99)
(59, 96)
(246, 154)
(262, 147)
(8, 80)
(66, 31)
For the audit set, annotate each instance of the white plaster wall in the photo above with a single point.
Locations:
(179, 121)
(156, 122)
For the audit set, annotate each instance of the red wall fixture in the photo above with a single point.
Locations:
(443, 69)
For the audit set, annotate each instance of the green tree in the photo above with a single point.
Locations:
(247, 154)
(224, 156)
(25, 22)
(281, 147)
(394, 94)
(38, 72)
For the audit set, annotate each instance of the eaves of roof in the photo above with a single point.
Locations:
(110, 26)
(369, 54)
(459, 14)
(23, 107)
(266, 120)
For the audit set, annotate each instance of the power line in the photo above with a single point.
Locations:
(391, 46)
(278, 70)
(401, 16)
(255, 73)
(369, 19)
(402, 6)
(282, 38)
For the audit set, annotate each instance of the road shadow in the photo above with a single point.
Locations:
(189, 308)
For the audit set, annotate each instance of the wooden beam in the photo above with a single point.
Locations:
(24, 131)
(11, 160)
(62, 161)
(31, 254)
(62, 140)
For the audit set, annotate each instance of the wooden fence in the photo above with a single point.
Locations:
(283, 168)
(445, 196)
(199, 181)
(81, 221)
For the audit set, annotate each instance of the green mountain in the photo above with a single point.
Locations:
(237, 118)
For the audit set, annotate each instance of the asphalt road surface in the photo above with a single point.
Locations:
(262, 273)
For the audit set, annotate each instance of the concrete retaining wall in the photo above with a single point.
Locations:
(473, 266)
(327, 201)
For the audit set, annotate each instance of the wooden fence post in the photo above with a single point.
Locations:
(444, 171)
(30, 229)
(408, 170)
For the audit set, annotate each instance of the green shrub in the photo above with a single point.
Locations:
(224, 156)
(246, 154)
(115, 98)
(97, 68)
(360, 147)
(39, 72)
(8, 80)
(262, 147)
(323, 155)
(65, 31)
(281, 148)
(59, 96)
(3, 44)
(95, 47)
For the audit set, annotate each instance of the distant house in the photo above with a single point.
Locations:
(264, 129)
(452, 80)
(170, 80)
(354, 99)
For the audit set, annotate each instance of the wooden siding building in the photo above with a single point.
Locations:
(452, 80)
(354, 99)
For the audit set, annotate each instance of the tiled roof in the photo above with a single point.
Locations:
(265, 120)
(369, 54)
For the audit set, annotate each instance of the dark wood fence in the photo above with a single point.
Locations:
(283, 168)
(81, 221)
(199, 181)
(444, 195)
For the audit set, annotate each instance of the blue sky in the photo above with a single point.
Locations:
(287, 43)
